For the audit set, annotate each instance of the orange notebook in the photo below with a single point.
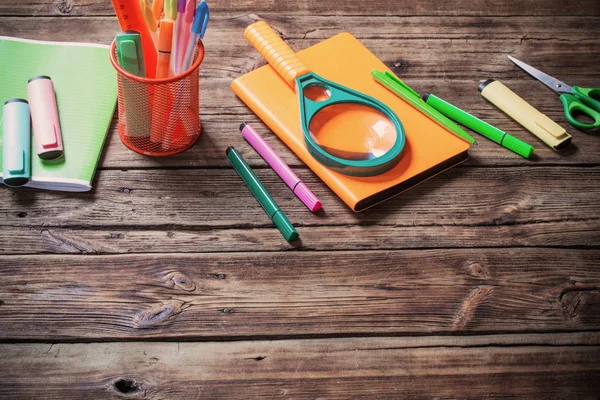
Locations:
(429, 150)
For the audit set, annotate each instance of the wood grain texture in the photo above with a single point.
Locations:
(466, 49)
(301, 294)
(498, 366)
(500, 256)
(144, 211)
(312, 7)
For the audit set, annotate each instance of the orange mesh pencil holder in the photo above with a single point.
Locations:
(159, 117)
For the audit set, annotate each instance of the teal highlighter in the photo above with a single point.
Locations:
(16, 140)
(491, 132)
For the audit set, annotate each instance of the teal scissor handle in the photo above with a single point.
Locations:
(584, 101)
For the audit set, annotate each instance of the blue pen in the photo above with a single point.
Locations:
(198, 30)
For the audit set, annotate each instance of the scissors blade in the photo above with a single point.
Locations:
(553, 83)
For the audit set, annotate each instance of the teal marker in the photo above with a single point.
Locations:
(491, 132)
(402, 90)
(260, 193)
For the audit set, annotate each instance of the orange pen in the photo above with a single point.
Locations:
(165, 38)
(131, 18)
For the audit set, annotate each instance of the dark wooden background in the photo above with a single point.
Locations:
(169, 281)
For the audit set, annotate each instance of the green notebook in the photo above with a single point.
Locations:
(86, 92)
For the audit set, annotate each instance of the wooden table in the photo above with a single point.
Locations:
(168, 281)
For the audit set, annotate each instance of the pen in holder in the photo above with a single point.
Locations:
(172, 104)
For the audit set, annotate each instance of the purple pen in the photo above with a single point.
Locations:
(285, 173)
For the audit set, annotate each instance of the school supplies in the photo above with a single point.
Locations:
(170, 9)
(86, 94)
(483, 128)
(16, 137)
(157, 8)
(430, 149)
(130, 53)
(262, 195)
(530, 118)
(197, 31)
(177, 35)
(393, 83)
(149, 19)
(131, 18)
(345, 130)
(169, 106)
(165, 39)
(285, 173)
(44, 117)
(131, 58)
(574, 99)
(188, 20)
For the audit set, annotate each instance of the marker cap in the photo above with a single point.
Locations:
(307, 197)
(165, 38)
(285, 226)
(518, 146)
(130, 53)
(201, 19)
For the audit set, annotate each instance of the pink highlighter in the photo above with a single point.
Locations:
(44, 118)
(285, 173)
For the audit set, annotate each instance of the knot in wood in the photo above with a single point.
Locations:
(478, 270)
(177, 280)
(153, 317)
(126, 386)
(63, 6)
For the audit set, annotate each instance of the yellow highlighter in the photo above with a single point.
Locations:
(518, 109)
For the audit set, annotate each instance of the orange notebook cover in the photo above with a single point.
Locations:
(429, 150)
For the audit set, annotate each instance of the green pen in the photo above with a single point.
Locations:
(260, 193)
(491, 132)
(401, 89)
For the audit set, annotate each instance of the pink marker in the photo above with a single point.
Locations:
(285, 173)
(44, 117)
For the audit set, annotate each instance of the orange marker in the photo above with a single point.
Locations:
(165, 38)
(131, 18)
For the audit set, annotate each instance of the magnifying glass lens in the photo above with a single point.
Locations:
(353, 131)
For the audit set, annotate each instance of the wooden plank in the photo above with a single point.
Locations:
(314, 7)
(155, 211)
(216, 198)
(128, 239)
(423, 51)
(434, 367)
(285, 294)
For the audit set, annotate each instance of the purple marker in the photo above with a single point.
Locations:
(285, 173)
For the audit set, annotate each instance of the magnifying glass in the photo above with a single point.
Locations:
(345, 130)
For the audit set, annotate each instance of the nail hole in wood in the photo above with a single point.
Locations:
(22, 214)
(221, 276)
(126, 386)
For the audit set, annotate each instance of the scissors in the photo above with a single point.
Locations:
(574, 99)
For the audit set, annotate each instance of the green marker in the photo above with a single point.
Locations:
(491, 132)
(260, 193)
(401, 89)
(130, 53)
